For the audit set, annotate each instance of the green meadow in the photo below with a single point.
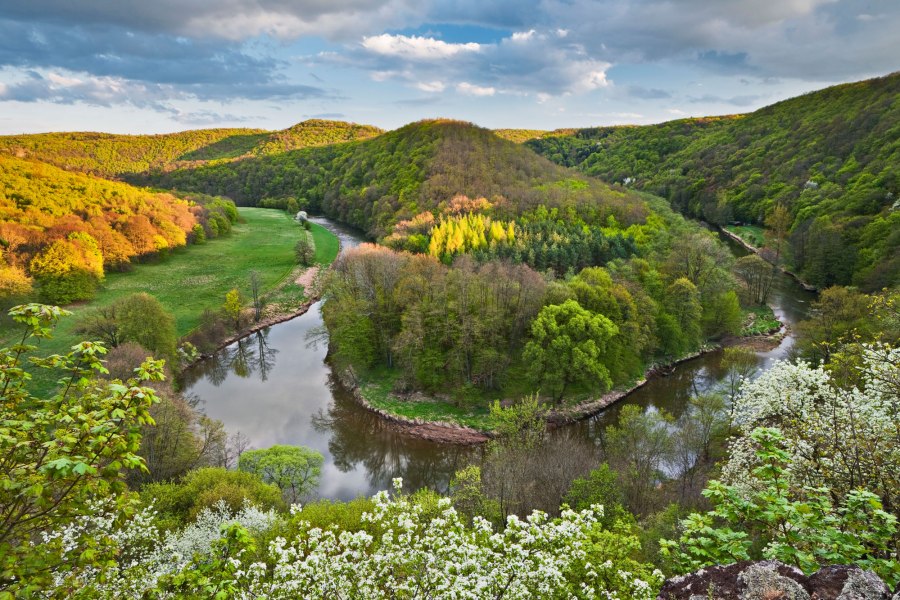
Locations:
(195, 278)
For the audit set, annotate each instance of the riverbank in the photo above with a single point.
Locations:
(372, 397)
(756, 250)
(443, 432)
(300, 284)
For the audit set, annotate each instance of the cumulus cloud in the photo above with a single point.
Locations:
(98, 91)
(470, 89)
(431, 86)
(415, 47)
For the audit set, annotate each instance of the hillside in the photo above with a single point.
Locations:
(830, 157)
(60, 227)
(375, 184)
(523, 135)
(110, 155)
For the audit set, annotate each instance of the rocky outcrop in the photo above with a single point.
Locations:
(772, 580)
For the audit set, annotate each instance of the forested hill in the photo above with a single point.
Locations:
(64, 230)
(110, 155)
(831, 157)
(375, 184)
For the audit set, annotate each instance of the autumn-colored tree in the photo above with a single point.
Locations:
(69, 270)
(141, 233)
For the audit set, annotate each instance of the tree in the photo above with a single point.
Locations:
(232, 307)
(683, 303)
(255, 293)
(601, 486)
(839, 314)
(305, 250)
(768, 517)
(69, 270)
(636, 449)
(143, 319)
(840, 437)
(722, 315)
(569, 345)
(756, 274)
(13, 280)
(739, 364)
(62, 453)
(294, 469)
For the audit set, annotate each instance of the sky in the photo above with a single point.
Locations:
(159, 66)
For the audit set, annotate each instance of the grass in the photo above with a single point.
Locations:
(376, 389)
(192, 279)
(759, 320)
(752, 234)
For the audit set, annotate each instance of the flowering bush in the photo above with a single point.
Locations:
(411, 556)
(842, 438)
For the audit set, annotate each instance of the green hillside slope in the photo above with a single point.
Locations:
(831, 157)
(375, 184)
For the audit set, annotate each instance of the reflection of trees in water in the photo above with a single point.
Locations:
(248, 356)
(360, 437)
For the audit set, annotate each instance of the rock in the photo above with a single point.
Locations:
(772, 580)
(763, 581)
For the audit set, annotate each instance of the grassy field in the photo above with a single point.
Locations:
(376, 389)
(193, 279)
(752, 234)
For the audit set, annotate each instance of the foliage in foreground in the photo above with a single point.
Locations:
(798, 526)
(62, 452)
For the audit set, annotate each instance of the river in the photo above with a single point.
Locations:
(275, 388)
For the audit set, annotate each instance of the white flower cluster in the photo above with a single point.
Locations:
(144, 555)
(413, 555)
(830, 431)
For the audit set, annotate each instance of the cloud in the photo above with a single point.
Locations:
(96, 91)
(415, 47)
(800, 39)
(431, 86)
(234, 20)
(470, 89)
(529, 62)
(137, 65)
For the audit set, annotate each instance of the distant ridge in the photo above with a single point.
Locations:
(831, 157)
(114, 155)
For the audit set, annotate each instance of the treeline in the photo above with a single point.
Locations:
(376, 184)
(64, 230)
(829, 157)
(110, 155)
(471, 325)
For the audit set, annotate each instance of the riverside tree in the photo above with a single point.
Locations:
(569, 345)
(294, 469)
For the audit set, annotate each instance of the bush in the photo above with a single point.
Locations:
(180, 502)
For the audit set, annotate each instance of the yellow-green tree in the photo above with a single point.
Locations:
(232, 307)
(69, 270)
